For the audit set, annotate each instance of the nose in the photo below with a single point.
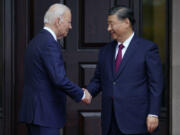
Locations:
(70, 26)
(109, 28)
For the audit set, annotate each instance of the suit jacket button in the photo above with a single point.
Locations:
(114, 83)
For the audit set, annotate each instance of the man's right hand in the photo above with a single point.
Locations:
(88, 97)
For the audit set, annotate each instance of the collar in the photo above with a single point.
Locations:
(127, 41)
(51, 31)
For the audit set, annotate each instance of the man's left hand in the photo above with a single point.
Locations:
(152, 123)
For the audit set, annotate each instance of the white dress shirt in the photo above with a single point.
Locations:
(125, 44)
(51, 31)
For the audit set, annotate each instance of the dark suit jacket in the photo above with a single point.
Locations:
(133, 92)
(46, 83)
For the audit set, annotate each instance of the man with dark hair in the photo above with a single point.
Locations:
(129, 75)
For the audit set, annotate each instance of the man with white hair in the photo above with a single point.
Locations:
(45, 80)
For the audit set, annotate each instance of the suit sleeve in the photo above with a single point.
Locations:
(155, 79)
(94, 87)
(54, 64)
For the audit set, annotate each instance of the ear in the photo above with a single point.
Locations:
(57, 21)
(127, 21)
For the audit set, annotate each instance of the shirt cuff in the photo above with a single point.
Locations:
(84, 95)
(153, 115)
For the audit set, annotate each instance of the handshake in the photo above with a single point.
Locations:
(87, 96)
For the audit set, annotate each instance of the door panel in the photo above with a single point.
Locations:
(90, 123)
(93, 25)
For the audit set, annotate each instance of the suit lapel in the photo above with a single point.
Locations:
(113, 58)
(130, 50)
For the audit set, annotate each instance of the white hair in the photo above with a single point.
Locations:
(55, 11)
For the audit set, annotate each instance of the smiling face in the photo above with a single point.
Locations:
(118, 28)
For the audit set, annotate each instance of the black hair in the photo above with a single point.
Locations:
(123, 13)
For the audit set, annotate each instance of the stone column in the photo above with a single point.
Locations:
(175, 68)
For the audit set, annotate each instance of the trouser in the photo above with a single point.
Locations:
(41, 130)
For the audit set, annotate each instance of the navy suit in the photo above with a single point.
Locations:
(133, 92)
(46, 83)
